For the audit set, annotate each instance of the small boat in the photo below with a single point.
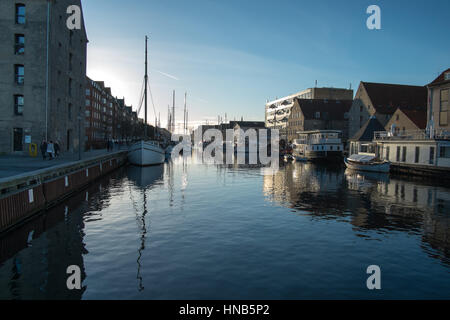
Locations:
(289, 158)
(146, 153)
(364, 162)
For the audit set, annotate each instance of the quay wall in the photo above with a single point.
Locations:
(442, 173)
(24, 195)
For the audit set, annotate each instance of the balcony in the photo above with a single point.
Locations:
(437, 134)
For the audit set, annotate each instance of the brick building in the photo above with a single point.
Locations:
(318, 114)
(107, 117)
(42, 75)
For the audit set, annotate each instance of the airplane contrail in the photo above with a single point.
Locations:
(167, 75)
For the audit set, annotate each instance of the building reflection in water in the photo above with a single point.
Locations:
(34, 257)
(368, 201)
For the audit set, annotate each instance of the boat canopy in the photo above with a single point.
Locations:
(361, 157)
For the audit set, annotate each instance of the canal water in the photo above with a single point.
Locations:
(185, 230)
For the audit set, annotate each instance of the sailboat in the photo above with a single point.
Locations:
(146, 152)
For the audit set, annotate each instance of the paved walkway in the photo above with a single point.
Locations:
(11, 165)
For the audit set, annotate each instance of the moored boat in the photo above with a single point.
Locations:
(146, 153)
(318, 145)
(363, 162)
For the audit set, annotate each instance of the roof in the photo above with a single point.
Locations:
(386, 98)
(251, 124)
(366, 132)
(329, 109)
(440, 79)
(417, 116)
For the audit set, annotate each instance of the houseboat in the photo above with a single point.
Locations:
(318, 145)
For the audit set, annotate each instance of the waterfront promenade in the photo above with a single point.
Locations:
(11, 165)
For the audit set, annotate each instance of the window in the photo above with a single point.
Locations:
(18, 105)
(444, 152)
(19, 74)
(447, 76)
(18, 139)
(387, 153)
(404, 155)
(443, 116)
(70, 111)
(364, 148)
(70, 61)
(317, 115)
(397, 117)
(88, 103)
(70, 86)
(431, 155)
(88, 92)
(19, 46)
(398, 154)
(417, 155)
(20, 13)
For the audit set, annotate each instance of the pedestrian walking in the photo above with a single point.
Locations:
(44, 149)
(57, 149)
(51, 150)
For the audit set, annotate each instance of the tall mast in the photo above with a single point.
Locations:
(184, 118)
(173, 113)
(146, 83)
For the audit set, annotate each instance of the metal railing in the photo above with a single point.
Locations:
(440, 134)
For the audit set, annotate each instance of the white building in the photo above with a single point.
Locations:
(424, 151)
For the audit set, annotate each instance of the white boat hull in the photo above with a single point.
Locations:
(146, 154)
(383, 167)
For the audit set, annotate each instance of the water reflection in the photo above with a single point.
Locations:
(369, 201)
(188, 231)
(144, 178)
(38, 253)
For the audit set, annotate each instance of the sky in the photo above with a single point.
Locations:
(232, 56)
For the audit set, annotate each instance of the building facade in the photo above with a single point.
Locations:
(438, 102)
(277, 112)
(406, 119)
(318, 114)
(417, 151)
(99, 114)
(42, 71)
(107, 117)
(382, 100)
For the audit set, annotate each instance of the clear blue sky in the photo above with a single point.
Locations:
(230, 56)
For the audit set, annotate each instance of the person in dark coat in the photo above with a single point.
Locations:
(44, 149)
(57, 149)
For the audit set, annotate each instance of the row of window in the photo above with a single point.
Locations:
(19, 104)
(444, 152)
(444, 107)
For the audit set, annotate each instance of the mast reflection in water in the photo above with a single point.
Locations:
(186, 230)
